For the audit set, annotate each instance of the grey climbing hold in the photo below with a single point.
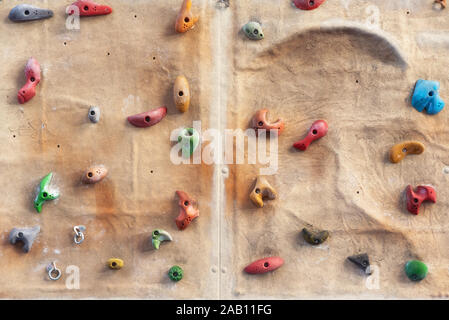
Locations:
(253, 30)
(362, 261)
(94, 114)
(26, 12)
(26, 235)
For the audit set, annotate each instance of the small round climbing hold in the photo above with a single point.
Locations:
(94, 114)
(416, 270)
(175, 273)
(253, 30)
(115, 263)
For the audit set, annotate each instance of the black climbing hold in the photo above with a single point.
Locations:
(362, 261)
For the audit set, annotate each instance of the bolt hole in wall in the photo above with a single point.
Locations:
(58, 146)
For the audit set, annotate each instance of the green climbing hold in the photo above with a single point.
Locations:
(44, 193)
(253, 30)
(415, 270)
(189, 139)
(159, 236)
(175, 273)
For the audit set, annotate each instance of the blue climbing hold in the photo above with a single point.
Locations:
(426, 96)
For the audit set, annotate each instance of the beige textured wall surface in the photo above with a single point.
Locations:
(351, 62)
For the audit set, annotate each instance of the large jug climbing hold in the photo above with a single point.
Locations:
(308, 4)
(253, 30)
(159, 236)
(185, 20)
(181, 94)
(44, 192)
(418, 196)
(149, 118)
(90, 8)
(316, 131)
(426, 96)
(264, 265)
(189, 139)
(175, 273)
(442, 3)
(361, 261)
(260, 122)
(262, 190)
(400, 150)
(415, 270)
(26, 12)
(188, 210)
(94, 114)
(315, 236)
(26, 235)
(95, 174)
(33, 76)
(115, 263)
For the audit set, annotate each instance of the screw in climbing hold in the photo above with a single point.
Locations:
(260, 122)
(181, 94)
(189, 139)
(149, 118)
(426, 96)
(45, 193)
(262, 190)
(264, 265)
(26, 235)
(253, 30)
(185, 19)
(175, 273)
(115, 263)
(158, 236)
(317, 130)
(314, 236)
(89, 8)
(416, 270)
(33, 76)
(26, 12)
(400, 150)
(94, 114)
(188, 210)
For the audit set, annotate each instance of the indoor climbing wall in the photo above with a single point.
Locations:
(352, 63)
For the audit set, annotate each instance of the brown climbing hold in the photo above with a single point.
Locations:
(95, 174)
(185, 20)
(188, 210)
(443, 3)
(262, 190)
(400, 150)
(314, 236)
(181, 94)
(259, 121)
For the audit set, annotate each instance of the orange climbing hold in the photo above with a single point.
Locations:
(188, 210)
(260, 121)
(185, 20)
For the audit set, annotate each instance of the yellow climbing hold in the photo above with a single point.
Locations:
(115, 263)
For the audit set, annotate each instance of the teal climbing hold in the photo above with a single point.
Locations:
(426, 96)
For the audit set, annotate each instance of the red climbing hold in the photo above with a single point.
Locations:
(90, 8)
(418, 196)
(33, 75)
(149, 118)
(308, 4)
(264, 265)
(316, 131)
(188, 210)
